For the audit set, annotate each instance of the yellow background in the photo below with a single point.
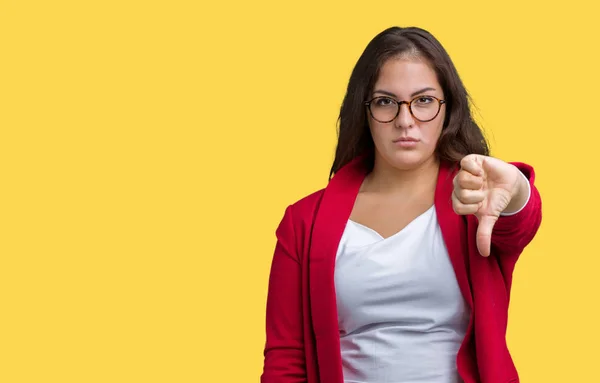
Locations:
(149, 149)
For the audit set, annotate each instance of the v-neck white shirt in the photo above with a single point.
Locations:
(401, 315)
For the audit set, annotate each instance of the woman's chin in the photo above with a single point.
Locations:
(407, 160)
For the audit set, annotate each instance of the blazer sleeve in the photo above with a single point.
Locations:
(284, 360)
(512, 233)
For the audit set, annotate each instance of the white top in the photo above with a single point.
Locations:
(401, 315)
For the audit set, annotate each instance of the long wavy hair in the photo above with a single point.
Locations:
(460, 133)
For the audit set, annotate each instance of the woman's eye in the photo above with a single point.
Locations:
(424, 100)
(384, 102)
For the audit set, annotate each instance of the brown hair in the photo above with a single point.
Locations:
(460, 134)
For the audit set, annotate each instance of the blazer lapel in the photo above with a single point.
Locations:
(453, 230)
(329, 225)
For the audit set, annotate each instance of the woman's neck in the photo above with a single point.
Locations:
(387, 179)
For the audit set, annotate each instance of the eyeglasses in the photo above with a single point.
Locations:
(422, 108)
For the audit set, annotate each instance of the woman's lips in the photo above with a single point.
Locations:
(406, 142)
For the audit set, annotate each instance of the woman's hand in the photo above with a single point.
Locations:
(487, 187)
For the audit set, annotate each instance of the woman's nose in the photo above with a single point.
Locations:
(405, 118)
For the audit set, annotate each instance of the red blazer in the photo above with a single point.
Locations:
(302, 335)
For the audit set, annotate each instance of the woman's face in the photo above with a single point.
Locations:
(406, 143)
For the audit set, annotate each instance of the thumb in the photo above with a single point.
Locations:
(484, 234)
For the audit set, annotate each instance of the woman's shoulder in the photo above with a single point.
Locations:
(307, 204)
(299, 216)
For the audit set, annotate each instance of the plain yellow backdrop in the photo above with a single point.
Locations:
(149, 149)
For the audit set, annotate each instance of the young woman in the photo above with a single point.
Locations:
(400, 269)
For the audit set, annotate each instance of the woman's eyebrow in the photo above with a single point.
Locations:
(386, 93)
(412, 95)
(422, 91)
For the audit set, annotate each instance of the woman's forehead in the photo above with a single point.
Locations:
(404, 77)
